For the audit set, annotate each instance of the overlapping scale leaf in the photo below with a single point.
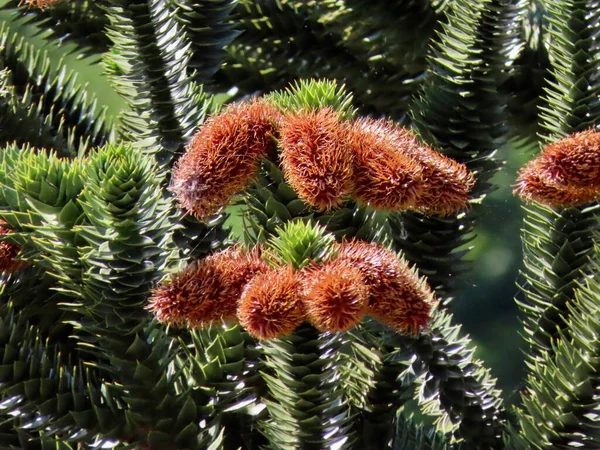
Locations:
(40, 386)
(417, 436)
(19, 115)
(459, 112)
(305, 401)
(56, 92)
(209, 27)
(378, 379)
(148, 66)
(315, 94)
(81, 22)
(127, 234)
(40, 192)
(221, 365)
(457, 388)
(560, 402)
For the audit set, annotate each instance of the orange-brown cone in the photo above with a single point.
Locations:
(335, 296)
(397, 296)
(315, 159)
(532, 186)
(447, 183)
(385, 177)
(566, 173)
(572, 161)
(206, 290)
(271, 304)
(397, 172)
(223, 157)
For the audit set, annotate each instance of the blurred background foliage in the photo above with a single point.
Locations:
(486, 308)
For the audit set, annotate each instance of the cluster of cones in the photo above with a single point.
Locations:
(325, 159)
(566, 173)
(239, 285)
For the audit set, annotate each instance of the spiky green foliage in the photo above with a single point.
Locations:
(557, 243)
(222, 364)
(208, 26)
(49, 95)
(379, 378)
(287, 40)
(81, 22)
(315, 94)
(410, 434)
(457, 387)
(305, 399)
(83, 364)
(482, 33)
(298, 244)
(560, 409)
(148, 66)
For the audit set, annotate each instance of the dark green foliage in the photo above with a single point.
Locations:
(209, 29)
(45, 93)
(557, 245)
(457, 387)
(379, 378)
(529, 74)
(464, 87)
(286, 40)
(82, 22)
(305, 399)
(148, 65)
(410, 435)
(559, 405)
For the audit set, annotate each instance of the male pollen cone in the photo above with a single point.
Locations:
(335, 296)
(446, 183)
(315, 159)
(532, 185)
(8, 252)
(206, 290)
(395, 171)
(385, 177)
(223, 156)
(397, 296)
(271, 304)
(573, 160)
(566, 173)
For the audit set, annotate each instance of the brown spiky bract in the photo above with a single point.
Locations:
(315, 159)
(207, 290)
(335, 296)
(397, 296)
(395, 171)
(223, 157)
(271, 304)
(566, 173)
